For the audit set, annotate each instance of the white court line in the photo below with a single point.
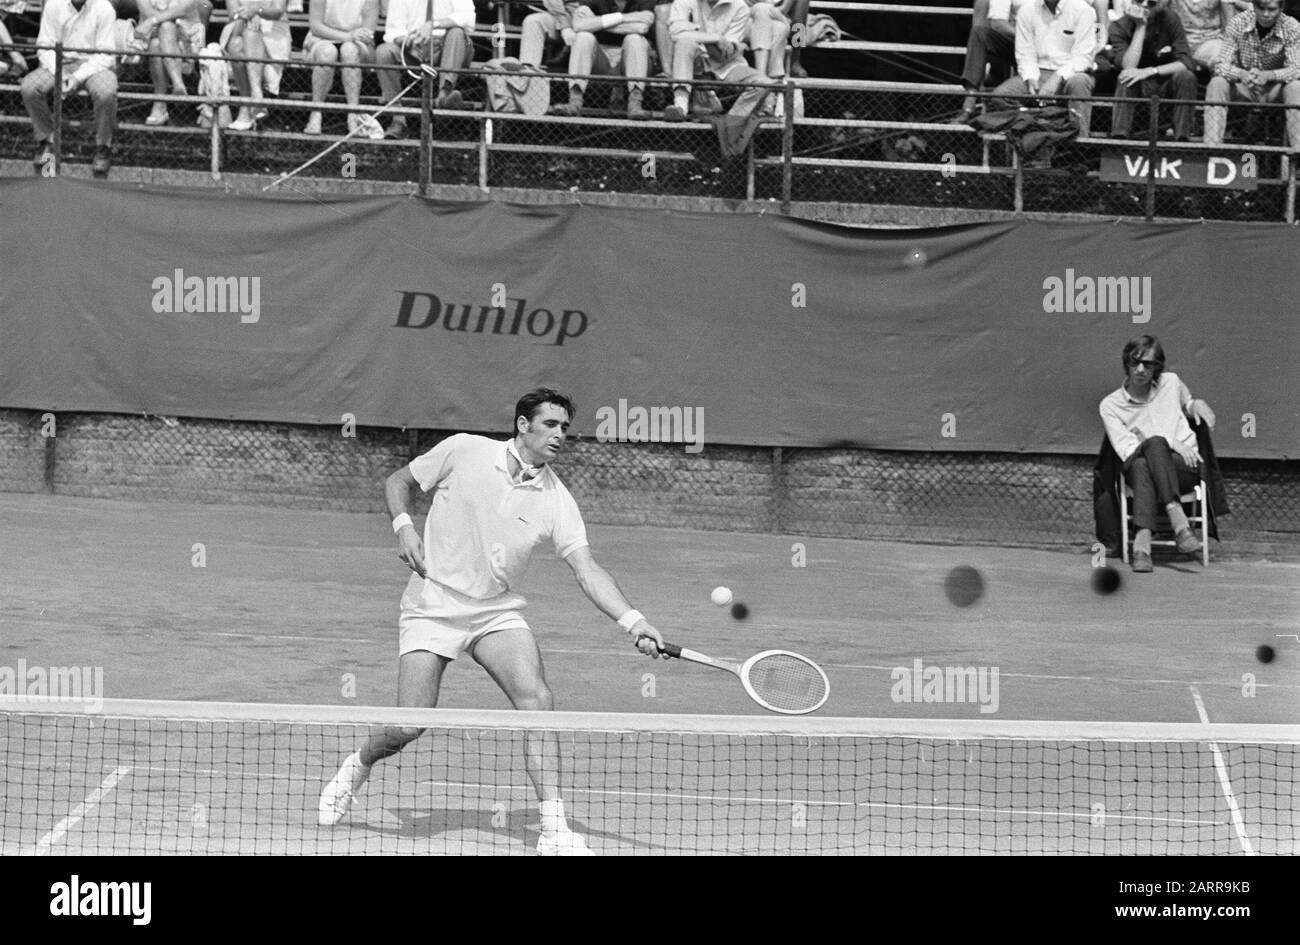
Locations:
(1222, 770)
(658, 795)
(620, 651)
(885, 805)
(74, 816)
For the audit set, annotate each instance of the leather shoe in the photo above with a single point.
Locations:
(1187, 543)
(1142, 562)
(101, 163)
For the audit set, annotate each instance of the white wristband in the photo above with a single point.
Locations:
(630, 620)
(401, 522)
(610, 20)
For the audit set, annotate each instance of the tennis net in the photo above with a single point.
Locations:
(185, 777)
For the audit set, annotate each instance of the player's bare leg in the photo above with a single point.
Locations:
(513, 661)
(419, 676)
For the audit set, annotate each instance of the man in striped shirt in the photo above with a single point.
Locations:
(1259, 62)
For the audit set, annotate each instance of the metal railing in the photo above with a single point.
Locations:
(824, 142)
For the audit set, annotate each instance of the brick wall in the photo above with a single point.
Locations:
(850, 493)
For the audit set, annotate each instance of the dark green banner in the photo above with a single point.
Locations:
(696, 328)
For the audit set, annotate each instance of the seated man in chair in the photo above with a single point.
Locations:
(1146, 421)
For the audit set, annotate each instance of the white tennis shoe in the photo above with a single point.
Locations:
(336, 800)
(563, 843)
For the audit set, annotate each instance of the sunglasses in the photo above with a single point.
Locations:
(1148, 363)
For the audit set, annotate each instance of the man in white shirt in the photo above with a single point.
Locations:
(709, 40)
(493, 504)
(1146, 421)
(408, 29)
(1055, 44)
(82, 25)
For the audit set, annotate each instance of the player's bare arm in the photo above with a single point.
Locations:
(603, 591)
(397, 492)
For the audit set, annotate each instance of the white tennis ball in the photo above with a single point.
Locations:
(721, 596)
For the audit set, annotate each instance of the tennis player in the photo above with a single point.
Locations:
(494, 502)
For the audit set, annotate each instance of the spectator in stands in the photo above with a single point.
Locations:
(992, 41)
(174, 29)
(258, 29)
(555, 22)
(709, 39)
(407, 32)
(80, 24)
(1055, 43)
(341, 30)
(796, 11)
(1258, 62)
(663, 36)
(769, 32)
(1147, 423)
(1150, 51)
(610, 39)
(1204, 22)
(12, 61)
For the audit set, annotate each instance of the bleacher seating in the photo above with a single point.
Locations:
(895, 124)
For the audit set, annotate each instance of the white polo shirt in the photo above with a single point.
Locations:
(1160, 415)
(482, 527)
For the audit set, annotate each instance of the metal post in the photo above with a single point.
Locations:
(1153, 128)
(787, 148)
(1288, 168)
(426, 133)
(58, 107)
(484, 140)
(216, 141)
(50, 458)
(1018, 200)
(779, 496)
(749, 169)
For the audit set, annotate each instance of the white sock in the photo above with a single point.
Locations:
(357, 772)
(553, 816)
(1142, 541)
(1177, 517)
(682, 99)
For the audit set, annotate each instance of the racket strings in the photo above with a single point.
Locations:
(788, 682)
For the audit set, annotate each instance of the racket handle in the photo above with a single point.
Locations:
(671, 650)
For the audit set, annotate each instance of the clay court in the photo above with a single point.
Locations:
(300, 607)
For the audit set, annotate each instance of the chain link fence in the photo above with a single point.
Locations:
(967, 498)
(820, 141)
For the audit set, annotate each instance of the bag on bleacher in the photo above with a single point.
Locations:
(527, 93)
(127, 44)
(214, 82)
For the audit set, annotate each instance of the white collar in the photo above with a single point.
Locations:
(533, 471)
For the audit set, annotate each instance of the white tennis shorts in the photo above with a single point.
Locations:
(443, 621)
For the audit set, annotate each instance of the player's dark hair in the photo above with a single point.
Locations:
(532, 401)
(1139, 349)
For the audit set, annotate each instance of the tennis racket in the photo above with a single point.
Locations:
(778, 680)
